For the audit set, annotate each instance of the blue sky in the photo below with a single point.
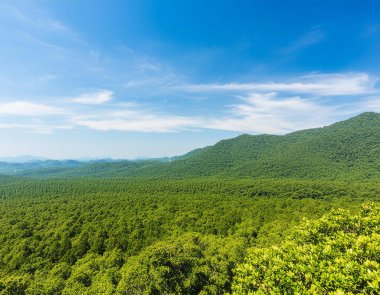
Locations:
(125, 79)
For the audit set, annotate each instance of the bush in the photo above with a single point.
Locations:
(337, 254)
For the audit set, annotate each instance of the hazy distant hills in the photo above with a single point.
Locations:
(21, 159)
(8, 166)
(345, 150)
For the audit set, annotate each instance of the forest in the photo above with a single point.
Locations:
(189, 236)
(171, 147)
(291, 214)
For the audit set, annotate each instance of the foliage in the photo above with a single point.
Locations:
(150, 227)
(107, 236)
(337, 254)
(189, 264)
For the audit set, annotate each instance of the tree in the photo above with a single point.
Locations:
(337, 254)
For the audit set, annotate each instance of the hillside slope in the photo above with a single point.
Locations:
(348, 149)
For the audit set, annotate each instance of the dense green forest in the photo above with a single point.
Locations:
(118, 236)
(292, 214)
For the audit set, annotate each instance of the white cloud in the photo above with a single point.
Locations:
(133, 117)
(370, 104)
(98, 97)
(30, 109)
(268, 113)
(35, 127)
(257, 113)
(271, 107)
(141, 123)
(318, 84)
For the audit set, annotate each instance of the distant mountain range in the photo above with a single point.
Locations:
(345, 150)
(21, 159)
(30, 165)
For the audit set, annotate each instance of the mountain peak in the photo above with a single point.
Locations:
(368, 115)
(367, 119)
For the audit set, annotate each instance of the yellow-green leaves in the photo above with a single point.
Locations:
(337, 254)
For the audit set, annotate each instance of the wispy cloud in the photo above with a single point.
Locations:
(317, 84)
(312, 37)
(97, 97)
(29, 109)
(134, 118)
(41, 80)
(39, 128)
(371, 104)
(33, 17)
(146, 123)
(271, 107)
(269, 113)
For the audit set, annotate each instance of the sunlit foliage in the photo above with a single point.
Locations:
(337, 254)
(120, 236)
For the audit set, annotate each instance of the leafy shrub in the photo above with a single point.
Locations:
(190, 264)
(337, 254)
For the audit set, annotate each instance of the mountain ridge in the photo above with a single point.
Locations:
(348, 149)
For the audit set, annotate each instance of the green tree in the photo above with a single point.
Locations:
(337, 254)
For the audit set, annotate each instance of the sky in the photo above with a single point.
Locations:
(143, 78)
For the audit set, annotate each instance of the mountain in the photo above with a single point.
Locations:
(37, 165)
(345, 150)
(349, 148)
(21, 159)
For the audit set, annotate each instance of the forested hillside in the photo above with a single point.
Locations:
(348, 149)
(151, 237)
(345, 150)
